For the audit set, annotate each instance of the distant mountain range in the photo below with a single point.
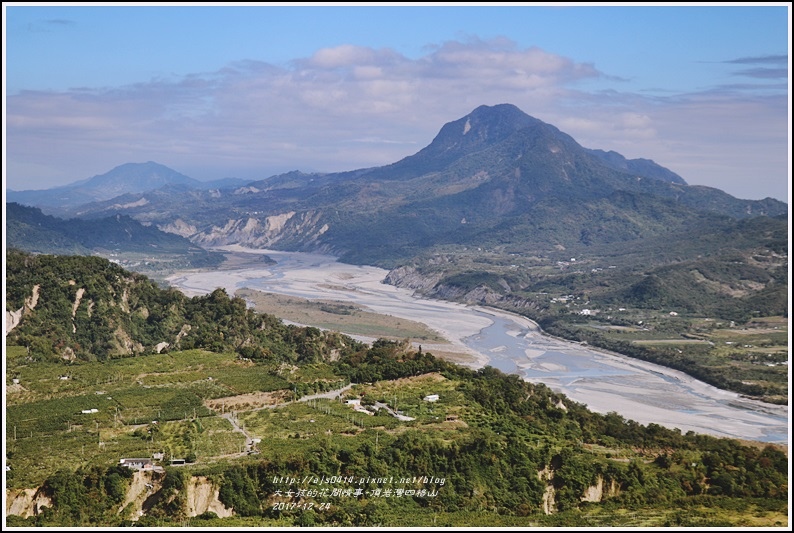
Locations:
(127, 178)
(499, 209)
(28, 229)
(494, 176)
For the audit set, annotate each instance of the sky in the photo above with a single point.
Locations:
(248, 91)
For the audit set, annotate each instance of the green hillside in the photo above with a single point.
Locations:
(87, 308)
(491, 449)
(120, 237)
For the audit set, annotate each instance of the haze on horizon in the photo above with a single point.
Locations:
(249, 91)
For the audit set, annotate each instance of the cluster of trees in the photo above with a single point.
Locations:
(494, 465)
(88, 495)
(386, 360)
(94, 309)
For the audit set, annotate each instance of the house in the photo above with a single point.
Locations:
(431, 398)
(137, 463)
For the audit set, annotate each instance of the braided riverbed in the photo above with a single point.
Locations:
(605, 382)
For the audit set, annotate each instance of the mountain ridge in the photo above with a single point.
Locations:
(28, 229)
(122, 179)
(496, 174)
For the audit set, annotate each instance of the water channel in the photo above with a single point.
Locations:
(605, 382)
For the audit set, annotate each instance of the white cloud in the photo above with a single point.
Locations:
(350, 107)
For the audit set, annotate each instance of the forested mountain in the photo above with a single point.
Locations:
(496, 175)
(87, 308)
(27, 228)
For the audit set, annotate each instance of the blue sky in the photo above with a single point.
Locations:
(249, 91)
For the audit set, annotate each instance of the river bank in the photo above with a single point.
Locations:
(605, 382)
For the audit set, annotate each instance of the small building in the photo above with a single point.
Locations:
(137, 463)
(431, 398)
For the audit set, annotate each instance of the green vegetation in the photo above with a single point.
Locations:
(491, 450)
(143, 247)
(87, 308)
(754, 364)
(714, 299)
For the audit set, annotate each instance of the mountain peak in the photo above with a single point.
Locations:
(483, 127)
(486, 124)
(123, 179)
(149, 175)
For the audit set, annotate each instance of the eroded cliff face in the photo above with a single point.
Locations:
(300, 229)
(408, 277)
(549, 495)
(599, 492)
(26, 502)
(200, 494)
(14, 317)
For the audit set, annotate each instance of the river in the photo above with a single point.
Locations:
(605, 382)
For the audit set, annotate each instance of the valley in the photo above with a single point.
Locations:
(601, 380)
(549, 335)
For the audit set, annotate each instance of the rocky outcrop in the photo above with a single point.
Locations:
(13, 318)
(142, 486)
(601, 490)
(594, 493)
(432, 285)
(549, 495)
(200, 494)
(26, 502)
(202, 497)
(179, 227)
(301, 229)
(408, 277)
